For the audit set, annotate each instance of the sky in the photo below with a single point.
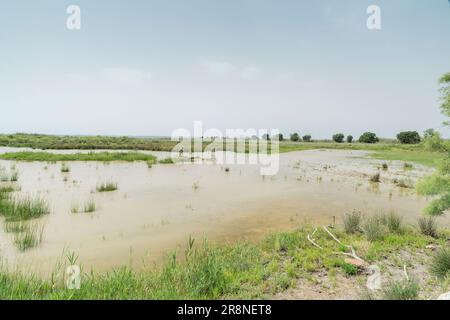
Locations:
(147, 68)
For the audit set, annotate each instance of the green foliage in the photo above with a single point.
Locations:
(440, 265)
(368, 137)
(107, 186)
(91, 156)
(428, 226)
(409, 137)
(306, 138)
(432, 141)
(338, 137)
(167, 161)
(402, 290)
(445, 94)
(374, 228)
(349, 139)
(352, 222)
(22, 209)
(295, 137)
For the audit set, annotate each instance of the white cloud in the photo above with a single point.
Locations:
(127, 76)
(219, 67)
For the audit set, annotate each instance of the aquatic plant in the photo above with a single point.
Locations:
(107, 186)
(428, 226)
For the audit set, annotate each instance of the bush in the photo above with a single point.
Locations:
(394, 223)
(295, 137)
(440, 265)
(338, 137)
(350, 139)
(409, 137)
(428, 226)
(368, 137)
(307, 138)
(401, 290)
(374, 228)
(352, 222)
(375, 178)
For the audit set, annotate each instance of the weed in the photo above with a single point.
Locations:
(352, 222)
(107, 187)
(428, 226)
(440, 264)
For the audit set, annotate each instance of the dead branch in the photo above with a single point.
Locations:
(353, 254)
(310, 239)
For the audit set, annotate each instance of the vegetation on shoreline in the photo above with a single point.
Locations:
(241, 270)
(92, 156)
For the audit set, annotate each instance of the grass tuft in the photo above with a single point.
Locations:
(107, 186)
(352, 222)
(402, 290)
(440, 265)
(428, 226)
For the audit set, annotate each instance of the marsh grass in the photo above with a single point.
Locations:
(29, 237)
(227, 271)
(166, 161)
(15, 209)
(352, 222)
(107, 186)
(407, 166)
(375, 178)
(394, 223)
(374, 228)
(402, 290)
(65, 168)
(428, 226)
(90, 206)
(91, 156)
(440, 264)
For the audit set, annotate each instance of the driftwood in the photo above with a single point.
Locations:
(310, 238)
(353, 254)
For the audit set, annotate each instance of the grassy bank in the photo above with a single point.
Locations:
(241, 270)
(92, 156)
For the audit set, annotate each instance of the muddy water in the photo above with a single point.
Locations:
(156, 209)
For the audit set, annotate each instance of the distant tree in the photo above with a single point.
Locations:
(349, 138)
(265, 136)
(429, 133)
(368, 137)
(307, 138)
(338, 137)
(438, 184)
(279, 136)
(409, 137)
(295, 137)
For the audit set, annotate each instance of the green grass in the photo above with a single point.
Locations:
(65, 168)
(90, 206)
(428, 226)
(427, 158)
(440, 266)
(92, 156)
(30, 236)
(228, 271)
(402, 290)
(166, 161)
(107, 186)
(15, 209)
(352, 222)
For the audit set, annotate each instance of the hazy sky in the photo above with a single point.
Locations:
(150, 67)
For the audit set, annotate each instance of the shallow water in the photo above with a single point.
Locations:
(156, 209)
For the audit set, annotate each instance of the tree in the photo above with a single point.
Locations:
(368, 137)
(265, 136)
(278, 137)
(338, 137)
(438, 184)
(307, 138)
(349, 138)
(409, 137)
(295, 137)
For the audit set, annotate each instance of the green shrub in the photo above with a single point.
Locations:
(409, 137)
(394, 223)
(307, 138)
(352, 222)
(349, 138)
(107, 187)
(368, 137)
(374, 228)
(440, 264)
(428, 226)
(402, 290)
(295, 137)
(338, 137)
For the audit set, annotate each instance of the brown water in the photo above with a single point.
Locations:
(156, 209)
